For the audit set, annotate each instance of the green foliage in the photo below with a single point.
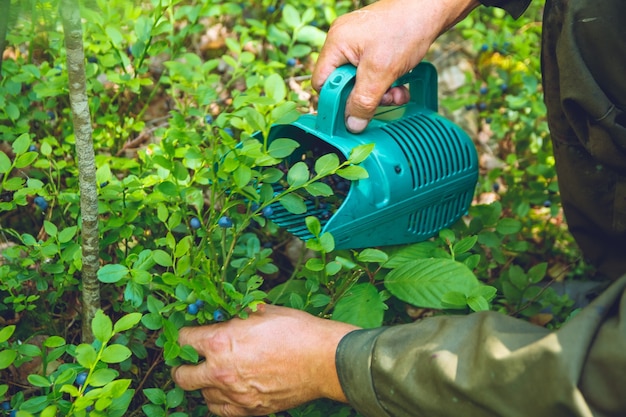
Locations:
(183, 97)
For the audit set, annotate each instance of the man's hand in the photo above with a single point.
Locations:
(384, 41)
(275, 359)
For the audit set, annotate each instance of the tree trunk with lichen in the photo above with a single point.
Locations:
(81, 117)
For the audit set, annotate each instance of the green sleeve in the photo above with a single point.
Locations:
(514, 7)
(488, 364)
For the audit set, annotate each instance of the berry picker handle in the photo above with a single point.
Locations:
(422, 81)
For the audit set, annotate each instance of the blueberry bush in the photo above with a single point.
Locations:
(182, 96)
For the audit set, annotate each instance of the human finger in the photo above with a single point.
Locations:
(395, 96)
(193, 377)
(373, 80)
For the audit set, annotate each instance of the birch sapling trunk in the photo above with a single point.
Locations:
(81, 117)
(5, 8)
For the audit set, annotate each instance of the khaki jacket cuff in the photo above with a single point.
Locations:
(354, 364)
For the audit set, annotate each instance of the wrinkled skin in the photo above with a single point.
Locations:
(275, 359)
(279, 358)
(384, 41)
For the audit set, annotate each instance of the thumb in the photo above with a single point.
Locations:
(372, 82)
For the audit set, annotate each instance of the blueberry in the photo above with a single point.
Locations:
(92, 60)
(488, 120)
(104, 184)
(192, 309)
(469, 106)
(32, 148)
(254, 206)
(291, 62)
(504, 87)
(6, 405)
(195, 223)
(483, 90)
(41, 202)
(225, 222)
(208, 119)
(496, 187)
(482, 106)
(199, 303)
(81, 378)
(484, 47)
(271, 9)
(268, 211)
(229, 131)
(13, 413)
(218, 315)
(547, 203)
(51, 115)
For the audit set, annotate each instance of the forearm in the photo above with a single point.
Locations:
(488, 364)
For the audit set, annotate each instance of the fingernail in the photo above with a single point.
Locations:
(356, 124)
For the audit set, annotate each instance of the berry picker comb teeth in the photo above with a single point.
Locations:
(422, 171)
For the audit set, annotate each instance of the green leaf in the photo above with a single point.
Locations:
(86, 355)
(327, 242)
(360, 153)
(326, 164)
(167, 188)
(25, 159)
(242, 176)
(134, 293)
(54, 341)
(372, 255)
(114, 35)
(162, 258)
(21, 144)
(67, 234)
(101, 377)
(38, 381)
(102, 327)
(50, 228)
(317, 189)
(424, 282)
(293, 204)
(315, 265)
(155, 395)
(353, 173)
(464, 245)
(112, 273)
(311, 35)
(175, 397)
(127, 322)
(333, 268)
(271, 175)
(5, 163)
(291, 17)
(298, 174)
(537, 272)
(282, 148)
(6, 333)
(275, 87)
(362, 306)
(7, 357)
(508, 226)
(478, 303)
(454, 299)
(518, 277)
(313, 225)
(410, 253)
(115, 354)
